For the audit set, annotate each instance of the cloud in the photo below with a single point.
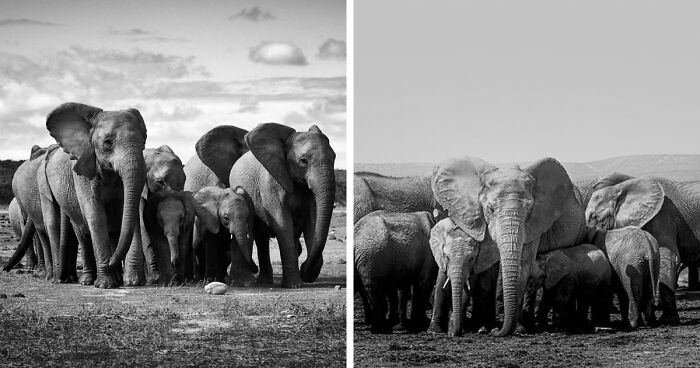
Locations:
(277, 53)
(332, 49)
(27, 22)
(254, 14)
(129, 32)
(249, 105)
(142, 35)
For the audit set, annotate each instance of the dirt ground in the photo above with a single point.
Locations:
(73, 325)
(677, 346)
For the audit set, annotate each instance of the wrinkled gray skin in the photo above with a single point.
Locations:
(18, 222)
(525, 211)
(668, 210)
(392, 251)
(226, 217)
(480, 268)
(634, 257)
(97, 180)
(573, 279)
(289, 177)
(395, 194)
(169, 219)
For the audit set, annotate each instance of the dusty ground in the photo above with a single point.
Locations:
(72, 325)
(677, 346)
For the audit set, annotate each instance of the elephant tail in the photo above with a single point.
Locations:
(24, 243)
(653, 257)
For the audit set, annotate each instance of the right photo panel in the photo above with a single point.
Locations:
(526, 183)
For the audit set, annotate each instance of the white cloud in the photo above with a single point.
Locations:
(254, 14)
(332, 49)
(277, 53)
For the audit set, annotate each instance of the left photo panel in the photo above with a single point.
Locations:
(173, 183)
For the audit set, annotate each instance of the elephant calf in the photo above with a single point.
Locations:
(574, 279)
(634, 256)
(392, 252)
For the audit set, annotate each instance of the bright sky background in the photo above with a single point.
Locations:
(186, 65)
(520, 80)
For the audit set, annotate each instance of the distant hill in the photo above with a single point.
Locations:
(677, 167)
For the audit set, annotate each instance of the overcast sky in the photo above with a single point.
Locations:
(186, 65)
(516, 81)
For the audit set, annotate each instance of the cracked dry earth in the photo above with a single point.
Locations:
(73, 325)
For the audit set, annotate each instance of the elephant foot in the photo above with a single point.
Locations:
(264, 280)
(670, 319)
(521, 329)
(106, 282)
(454, 328)
(435, 327)
(292, 283)
(87, 278)
(70, 279)
(134, 280)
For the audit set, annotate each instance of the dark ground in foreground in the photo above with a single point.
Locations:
(677, 346)
(70, 325)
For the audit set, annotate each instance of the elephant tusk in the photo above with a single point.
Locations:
(445, 285)
(231, 236)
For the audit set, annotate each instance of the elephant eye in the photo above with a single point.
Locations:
(107, 143)
(226, 219)
(303, 161)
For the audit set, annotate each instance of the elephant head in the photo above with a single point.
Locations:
(515, 205)
(164, 170)
(632, 202)
(549, 269)
(101, 142)
(232, 208)
(169, 215)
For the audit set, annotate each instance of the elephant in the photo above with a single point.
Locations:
(168, 220)
(573, 279)
(667, 210)
(18, 222)
(525, 211)
(290, 178)
(391, 252)
(480, 268)
(232, 209)
(396, 194)
(635, 257)
(97, 180)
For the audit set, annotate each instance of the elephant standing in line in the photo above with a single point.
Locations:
(97, 181)
(289, 176)
(669, 211)
(525, 211)
(392, 251)
(448, 242)
(395, 194)
(634, 256)
(233, 210)
(573, 279)
(18, 222)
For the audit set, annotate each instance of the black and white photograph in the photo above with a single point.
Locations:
(173, 183)
(526, 184)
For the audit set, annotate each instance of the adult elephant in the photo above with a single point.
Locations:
(395, 194)
(525, 211)
(99, 177)
(289, 177)
(668, 210)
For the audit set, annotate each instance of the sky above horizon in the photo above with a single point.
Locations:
(187, 66)
(518, 81)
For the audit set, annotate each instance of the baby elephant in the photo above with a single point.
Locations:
(392, 252)
(574, 279)
(635, 258)
(226, 234)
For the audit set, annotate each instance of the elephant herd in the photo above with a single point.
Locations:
(135, 212)
(480, 238)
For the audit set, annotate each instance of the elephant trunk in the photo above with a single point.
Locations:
(245, 244)
(174, 250)
(323, 189)
(25, 242)
(131, 169)
(457, 282)
(510, 244)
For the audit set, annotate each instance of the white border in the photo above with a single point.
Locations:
(350, 168)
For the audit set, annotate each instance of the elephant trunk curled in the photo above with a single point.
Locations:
(132, 170)
(510, 244)
(323, 187)
(245, 243)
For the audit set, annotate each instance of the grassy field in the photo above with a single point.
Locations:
(73, 325)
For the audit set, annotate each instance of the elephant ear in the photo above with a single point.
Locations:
(71, 124)
(456, 187)
(269, 144)
(150, 210)
(552, 186)
(639, 201)
(189, 204)
(220, 148)
(609, 180)
(557, 266)
(438, 239)
(206, 206)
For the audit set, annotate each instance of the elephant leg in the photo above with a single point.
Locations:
(283, 227)
(210, 243)
(646, 304)
(693, 278)
(600, 307)
(46, 248)
(101, 245)
(134, 263)
(240, 274)
(31, 258)
(89, 274)
(379, 300)
(364, 295)
(68, 248)
(439, 320)
(528, 260)
(528, 318)
(668, 278)
(544, 308)
(52, 225)
(483, 293)
(262, 241)
(419, 320)
(41, 264)
(632, 287)
(392, 296)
